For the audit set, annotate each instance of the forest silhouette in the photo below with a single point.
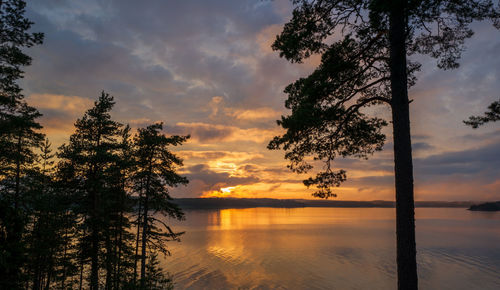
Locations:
(92, 217)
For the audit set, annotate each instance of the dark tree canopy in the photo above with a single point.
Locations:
(328, 108)
(90, 157)
(67, 225)
(19, 138)
(14, 36)
(492, 115)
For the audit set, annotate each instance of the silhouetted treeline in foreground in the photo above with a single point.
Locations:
(92, 218)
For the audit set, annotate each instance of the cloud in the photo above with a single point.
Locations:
(203, 179)
(421, 146)
(481, 163)
(470, 174)
(220, 155)
(68, 104)
(59, 113)
(214, 105)
(210, 133)
(254, 114)
(206, 68)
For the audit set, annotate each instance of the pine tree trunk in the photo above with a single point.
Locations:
(145, 222)
(94, 267)
(65, 252)
(144, 241)
(80, 284)
(49, 277)
(109, 263)
(18, 174)
(14, 233)
(137, 238)
(119, 240)
(119, 257)
(94, 272)
(36, 273)
(405, 209)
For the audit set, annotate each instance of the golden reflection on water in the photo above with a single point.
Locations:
(325, 248)
(237, 219)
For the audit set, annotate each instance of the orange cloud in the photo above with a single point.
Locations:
(207, 133)
(266, 37)
(261, 190)
(67, 104)
(59, 114)
(214, 105)
(255, 114)
(217, 155)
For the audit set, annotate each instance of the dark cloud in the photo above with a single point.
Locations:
(419, 137)
(202, 172)
(421, 146)
(477, 164)
(203, 179)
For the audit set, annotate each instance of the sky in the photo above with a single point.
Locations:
(206, 68)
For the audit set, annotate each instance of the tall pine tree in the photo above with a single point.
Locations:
(364, 48)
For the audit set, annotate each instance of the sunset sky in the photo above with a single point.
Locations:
(206, 68)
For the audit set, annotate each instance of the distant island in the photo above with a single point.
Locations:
(225, 203)
(488, 206)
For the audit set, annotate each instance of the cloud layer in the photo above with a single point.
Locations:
(206, 68)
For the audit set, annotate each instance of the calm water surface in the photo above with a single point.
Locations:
(332, 248)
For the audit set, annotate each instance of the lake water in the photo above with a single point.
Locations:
(332, 248)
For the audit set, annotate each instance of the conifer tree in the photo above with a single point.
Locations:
(49, 236)
(364, 48)
(119, 238)
(90, 157)
(18, 137)
(155, 172)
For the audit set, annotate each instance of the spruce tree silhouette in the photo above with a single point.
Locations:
(364, 47)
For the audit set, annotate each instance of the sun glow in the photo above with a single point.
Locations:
(227, 189)
(222, 192)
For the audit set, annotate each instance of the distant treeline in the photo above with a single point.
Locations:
(488, 206)
(225, 203)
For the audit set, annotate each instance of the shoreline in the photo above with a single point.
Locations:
(239, 203)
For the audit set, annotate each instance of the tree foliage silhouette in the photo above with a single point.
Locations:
(61, 223)
(364, 47)
(155, 173)
(51, 226)
(18, 137)
(91, 154)
(110, 176)
(492, 115)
